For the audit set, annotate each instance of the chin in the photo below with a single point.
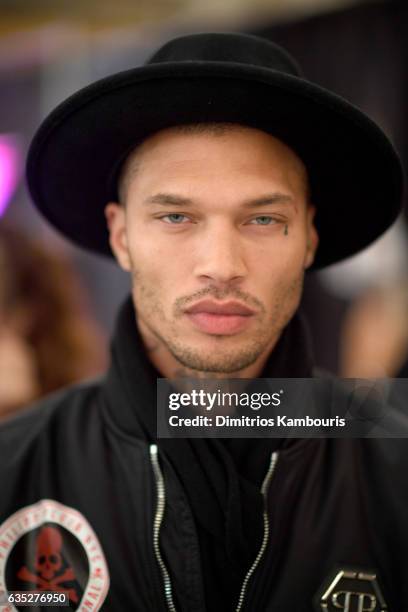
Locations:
(218, 355)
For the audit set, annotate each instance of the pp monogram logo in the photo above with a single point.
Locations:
(352, 591)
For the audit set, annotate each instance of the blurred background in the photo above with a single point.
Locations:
(58, 300)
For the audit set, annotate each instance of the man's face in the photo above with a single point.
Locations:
(216, 233)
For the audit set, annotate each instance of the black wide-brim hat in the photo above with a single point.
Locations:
(76, 155)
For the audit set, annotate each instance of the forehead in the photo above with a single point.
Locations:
(213, 150)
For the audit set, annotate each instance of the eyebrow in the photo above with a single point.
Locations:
(172, 199)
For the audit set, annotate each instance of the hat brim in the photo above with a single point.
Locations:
(355, 173)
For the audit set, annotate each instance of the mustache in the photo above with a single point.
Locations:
(219, 294)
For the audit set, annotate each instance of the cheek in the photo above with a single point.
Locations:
(154, 250)
(157, 275)
(279, 263)
(277, 280)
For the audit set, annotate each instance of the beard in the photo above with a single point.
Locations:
(227, 354)
(219, 360)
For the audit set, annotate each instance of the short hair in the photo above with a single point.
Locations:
(129, 166)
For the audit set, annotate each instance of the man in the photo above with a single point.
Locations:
(223, 176)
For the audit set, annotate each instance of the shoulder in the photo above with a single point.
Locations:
(58, 415)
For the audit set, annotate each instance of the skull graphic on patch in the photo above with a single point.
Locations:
(52, 548)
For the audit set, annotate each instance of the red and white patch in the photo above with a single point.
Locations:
(51, 547)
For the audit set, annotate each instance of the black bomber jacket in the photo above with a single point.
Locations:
(93, 509)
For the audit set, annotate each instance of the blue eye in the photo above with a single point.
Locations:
(174, 218)
(263, 220)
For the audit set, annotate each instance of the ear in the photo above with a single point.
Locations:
(312, 237)
(116, 220)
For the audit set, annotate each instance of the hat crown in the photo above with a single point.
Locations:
(234, 48)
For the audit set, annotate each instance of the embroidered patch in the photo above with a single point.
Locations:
(351, 590)
(51, 547)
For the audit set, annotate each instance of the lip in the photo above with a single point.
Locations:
(220, 319)
(220, 308)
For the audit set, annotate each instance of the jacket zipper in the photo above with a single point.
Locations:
(264, 491)
(161, 502)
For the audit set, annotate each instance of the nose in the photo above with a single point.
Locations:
(220, 254)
